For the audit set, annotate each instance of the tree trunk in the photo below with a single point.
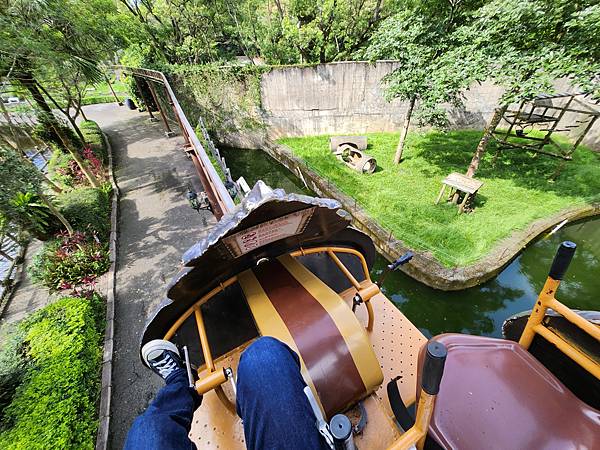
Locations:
(29, 82)
(485, 139)
(82, 113)
(119, 102)
(57, 213)
(16, 148)
(76, 128)
(15, 145)
(26, 78)
(404, 132)
(80, 162)
(56, 188)
(7, 141)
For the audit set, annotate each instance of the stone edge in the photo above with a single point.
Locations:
(424, 267)
(107, 355)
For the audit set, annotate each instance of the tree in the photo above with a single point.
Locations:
(281, 32)
(189, 31)
(58, 44)
(50, 40)
(301, 31)
(72, 88)
(525, 45)
(19, 185)
(11, 139)
(417, 37)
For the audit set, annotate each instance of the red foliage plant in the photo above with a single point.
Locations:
(74, 171)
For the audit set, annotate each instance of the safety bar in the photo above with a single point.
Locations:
(218, 196)
(433, 370)
(546, 300)
(214, 379)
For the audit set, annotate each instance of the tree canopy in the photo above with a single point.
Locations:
(525, 45)
(49, 35)
(279, 31)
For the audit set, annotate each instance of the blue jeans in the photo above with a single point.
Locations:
(270, 401)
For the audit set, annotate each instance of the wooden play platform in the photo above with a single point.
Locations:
(459, 183)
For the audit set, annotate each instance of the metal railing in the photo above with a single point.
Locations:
(219, 198)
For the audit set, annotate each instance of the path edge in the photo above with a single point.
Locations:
(102, 437)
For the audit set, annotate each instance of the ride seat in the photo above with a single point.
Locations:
(496, 395)
(291, 304)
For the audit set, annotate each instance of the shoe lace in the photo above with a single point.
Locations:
(165, 366)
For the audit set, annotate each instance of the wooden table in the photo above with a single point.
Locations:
(458, 182)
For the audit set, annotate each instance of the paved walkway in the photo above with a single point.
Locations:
(156, 225)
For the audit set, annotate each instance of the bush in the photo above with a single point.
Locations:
(55, 406)
(59, 169)
(13, 365)
(95, 99)
(63, 169)
(87, 209)
(69, 262)
(46, 134)
(93, 135)
(34, 216)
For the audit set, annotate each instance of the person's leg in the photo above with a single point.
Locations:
(271, 401)
(167, 421)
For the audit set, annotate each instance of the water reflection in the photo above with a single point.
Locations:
(482, 309)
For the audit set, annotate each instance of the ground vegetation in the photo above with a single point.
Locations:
(49, 376)
(74, 262)
(401, 198)
(525, 46)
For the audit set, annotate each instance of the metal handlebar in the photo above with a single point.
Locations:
(564, 256)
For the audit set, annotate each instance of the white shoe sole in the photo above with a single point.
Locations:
(157, 345)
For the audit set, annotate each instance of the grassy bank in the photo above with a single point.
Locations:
(401, 198)
(101, 93)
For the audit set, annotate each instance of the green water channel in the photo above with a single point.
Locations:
(480, 310)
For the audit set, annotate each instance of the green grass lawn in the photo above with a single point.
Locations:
(100, 93)
(401, 197)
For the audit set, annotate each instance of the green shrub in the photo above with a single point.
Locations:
(93, 135)
(55, 406)
(13, 365)
(34, 216)
(95, 99)
(59, 170)
(86, 209)
(70, 261)
(45, 133)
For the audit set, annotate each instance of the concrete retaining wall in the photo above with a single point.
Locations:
(348, 98)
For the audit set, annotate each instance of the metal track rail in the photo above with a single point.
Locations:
(219, 198)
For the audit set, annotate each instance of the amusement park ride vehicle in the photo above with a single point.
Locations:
(290, 266)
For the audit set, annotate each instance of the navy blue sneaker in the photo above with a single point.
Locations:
(162, 357)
